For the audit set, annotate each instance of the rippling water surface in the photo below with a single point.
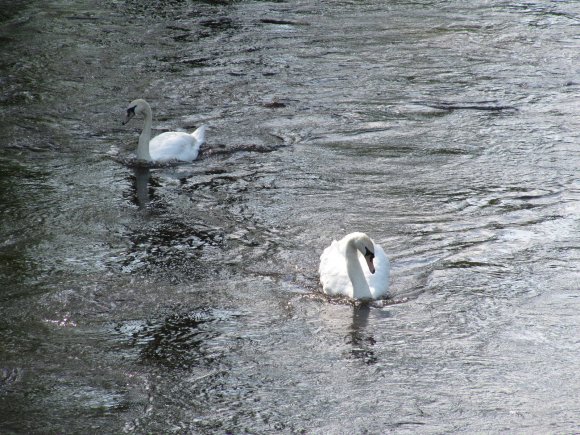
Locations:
(186, 298)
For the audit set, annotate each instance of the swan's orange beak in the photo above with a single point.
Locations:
(370, 264)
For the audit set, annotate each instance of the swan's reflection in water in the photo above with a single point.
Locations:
(142, 195)
(357, 332)
(362, 342)
(163, 241)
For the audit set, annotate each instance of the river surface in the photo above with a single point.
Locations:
(185, 299)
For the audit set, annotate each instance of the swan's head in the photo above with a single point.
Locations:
(367, 248)
(136, 107)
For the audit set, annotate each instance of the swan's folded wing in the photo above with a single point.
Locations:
(379, 281)
(333, 276)
(173, 145)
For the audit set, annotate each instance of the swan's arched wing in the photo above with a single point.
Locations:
(379, 281)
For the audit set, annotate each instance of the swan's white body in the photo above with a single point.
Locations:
(345, 270)
(172, 145)
(176, 145)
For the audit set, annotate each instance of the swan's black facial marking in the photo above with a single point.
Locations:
(369, 254)
(130, 114)
(369, 257)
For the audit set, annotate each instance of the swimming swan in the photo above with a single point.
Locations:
(355, 267)
(172, 145)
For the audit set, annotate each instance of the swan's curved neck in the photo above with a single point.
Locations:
(360, 286)
(145, 137)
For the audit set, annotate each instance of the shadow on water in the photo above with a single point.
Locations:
(168, 249)
(169, 9)
(181, 340)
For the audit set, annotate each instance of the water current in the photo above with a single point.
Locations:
(185, 298)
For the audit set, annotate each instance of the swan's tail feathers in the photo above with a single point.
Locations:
(199, 135)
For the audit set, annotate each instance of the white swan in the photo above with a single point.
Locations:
(355, 267)
(172, 145)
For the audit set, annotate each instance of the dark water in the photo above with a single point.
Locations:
(184, 299)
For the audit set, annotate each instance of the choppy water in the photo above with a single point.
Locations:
(184, 299)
